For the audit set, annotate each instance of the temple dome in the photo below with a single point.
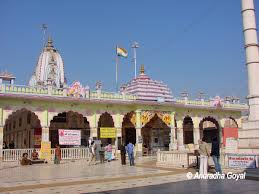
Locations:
(49, 68)
(147, 89)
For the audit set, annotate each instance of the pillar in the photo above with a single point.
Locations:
(173, 141)
(252, 57)
(1, 141)
(93, 126)
(180, 135)
(45, 134)
(196, 132)
(139, 139)
(117, 125)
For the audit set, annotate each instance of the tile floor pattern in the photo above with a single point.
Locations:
(78, 177)
(195, 187)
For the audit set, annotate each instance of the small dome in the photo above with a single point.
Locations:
(49, 68)
(147, 89)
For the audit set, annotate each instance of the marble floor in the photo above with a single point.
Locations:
(194, 187)
(79, 177)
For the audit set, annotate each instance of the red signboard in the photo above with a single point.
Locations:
(229, 132)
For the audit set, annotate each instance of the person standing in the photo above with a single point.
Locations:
(123, 154)
(108, 150)
(57, 155)
(130, 151)
(215, 154)
(101, 153)
(204, 154)
(92, 150)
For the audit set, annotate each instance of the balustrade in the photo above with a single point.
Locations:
(66, 154)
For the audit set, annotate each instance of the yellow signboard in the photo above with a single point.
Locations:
(45, 150)
(107, 132)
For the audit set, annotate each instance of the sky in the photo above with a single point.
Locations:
(189, 45)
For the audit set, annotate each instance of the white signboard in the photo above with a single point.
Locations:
(231, 145)
(69, 137)
(242, 161)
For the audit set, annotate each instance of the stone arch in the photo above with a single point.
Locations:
(209, 128)
(156, 134)
(229, 129)
(230, 122)
(23, 129)
(128, 129)
(69, 120)
(105, 120)
(188, 130)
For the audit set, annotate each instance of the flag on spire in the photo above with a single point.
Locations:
(121, 52)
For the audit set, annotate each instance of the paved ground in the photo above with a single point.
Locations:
(77, 177)
(195, 186)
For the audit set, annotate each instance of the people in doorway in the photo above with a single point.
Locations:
(130, 151)
(204, 154)
(11, 145)
(34, 155)
(123, 154)
(215, 154)
(5, 145)
(108, 150)
(92, 150)
(57, 158)
(25, 160)
(101, 153)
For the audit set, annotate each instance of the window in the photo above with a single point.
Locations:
(14, 124)
(29, 118)
(20, 122)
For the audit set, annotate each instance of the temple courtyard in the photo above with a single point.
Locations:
(110, 177)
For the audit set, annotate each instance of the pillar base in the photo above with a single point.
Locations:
(181, 147)
(173, 146)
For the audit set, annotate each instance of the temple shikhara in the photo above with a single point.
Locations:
(143, 112)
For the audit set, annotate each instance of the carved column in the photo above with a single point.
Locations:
(139, 139)
(173, 141)
(180, 135)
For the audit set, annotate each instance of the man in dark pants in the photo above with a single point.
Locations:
(215, 154)
(123, 154)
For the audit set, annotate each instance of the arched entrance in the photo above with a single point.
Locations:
(105, 120)
(156, 134)
(230, 129)
(128, 129)
(23, 129)
(69, 120)
(187, 130)
(209, 128)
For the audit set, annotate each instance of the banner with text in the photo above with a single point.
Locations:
(242, 161)
(107, 132)
(45, 150)
(69, 137)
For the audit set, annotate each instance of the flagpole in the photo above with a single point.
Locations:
(116, 69)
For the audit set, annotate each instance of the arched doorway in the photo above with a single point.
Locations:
(209, 128)
(156, 135)
(230, 129)
(188, 130)
(69, 120)
(23, 128)
(128, 129)
(105, 120)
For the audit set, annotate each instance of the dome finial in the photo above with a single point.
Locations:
(50, 45)
(142, 69)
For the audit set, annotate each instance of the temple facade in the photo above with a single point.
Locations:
(144, 112)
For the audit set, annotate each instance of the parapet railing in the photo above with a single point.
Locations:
(63, 92)
(102, 95)
(10, 155)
